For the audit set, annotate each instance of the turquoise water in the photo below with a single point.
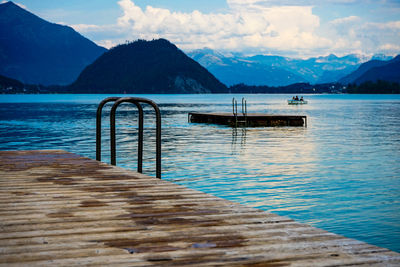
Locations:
(341, 173)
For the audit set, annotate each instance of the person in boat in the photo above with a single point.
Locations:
(301, 99)
(293, 98)
(296, 98)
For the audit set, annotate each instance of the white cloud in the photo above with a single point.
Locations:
(291, 2)
(390, 47)
(254, 26)
(391, 25)
(83, 28)
(18, 4)
(107, 43)
(354, 35)
(101, 32)
(345, 20)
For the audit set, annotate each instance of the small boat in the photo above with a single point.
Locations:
(296, 102)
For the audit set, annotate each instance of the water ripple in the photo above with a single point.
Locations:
(342, 173)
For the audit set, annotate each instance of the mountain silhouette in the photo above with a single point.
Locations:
(8, 84)
(155, 66)
(362, 69)
(390, 72)
(35, 51)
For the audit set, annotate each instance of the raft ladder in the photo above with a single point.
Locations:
(242, 120)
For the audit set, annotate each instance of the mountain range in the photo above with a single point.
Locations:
(234, 70)
(35, 51)
(281, 71)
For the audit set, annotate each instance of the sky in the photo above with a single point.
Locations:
(303, 28)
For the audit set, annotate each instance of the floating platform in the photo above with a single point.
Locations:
(249, 120)
(61, 209)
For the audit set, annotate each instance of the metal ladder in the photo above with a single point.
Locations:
(137, 102)
(243, 120)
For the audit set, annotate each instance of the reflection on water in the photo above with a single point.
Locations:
(242, 142)
(341, 173)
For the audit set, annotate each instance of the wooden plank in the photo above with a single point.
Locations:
(57, 208)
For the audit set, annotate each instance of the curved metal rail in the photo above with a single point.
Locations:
(136, 101)
(98, 124)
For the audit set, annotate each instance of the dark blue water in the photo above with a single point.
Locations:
(341, 173)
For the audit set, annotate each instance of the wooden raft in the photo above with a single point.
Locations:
(58, 208)
(249, 120)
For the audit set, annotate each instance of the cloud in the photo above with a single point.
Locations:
(107, 43)
(104, 35)
(18, 4)
(354, 35)
(291, 2)
(390, 47)
(83, 28)
(345, 20)
(252, 26)
(391, 25)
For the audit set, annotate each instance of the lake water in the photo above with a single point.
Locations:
(341, 173)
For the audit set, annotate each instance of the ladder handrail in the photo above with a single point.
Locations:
(136, 101)
(234, 108)
(98, 124)
(244, 106)
(244, 110)
(140, 136)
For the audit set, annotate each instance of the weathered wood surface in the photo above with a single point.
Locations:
(252, 119)
(57, 208)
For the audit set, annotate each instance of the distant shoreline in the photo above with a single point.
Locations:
(11, 86)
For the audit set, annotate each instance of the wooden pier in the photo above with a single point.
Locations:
(60, 209)
(248, 120)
